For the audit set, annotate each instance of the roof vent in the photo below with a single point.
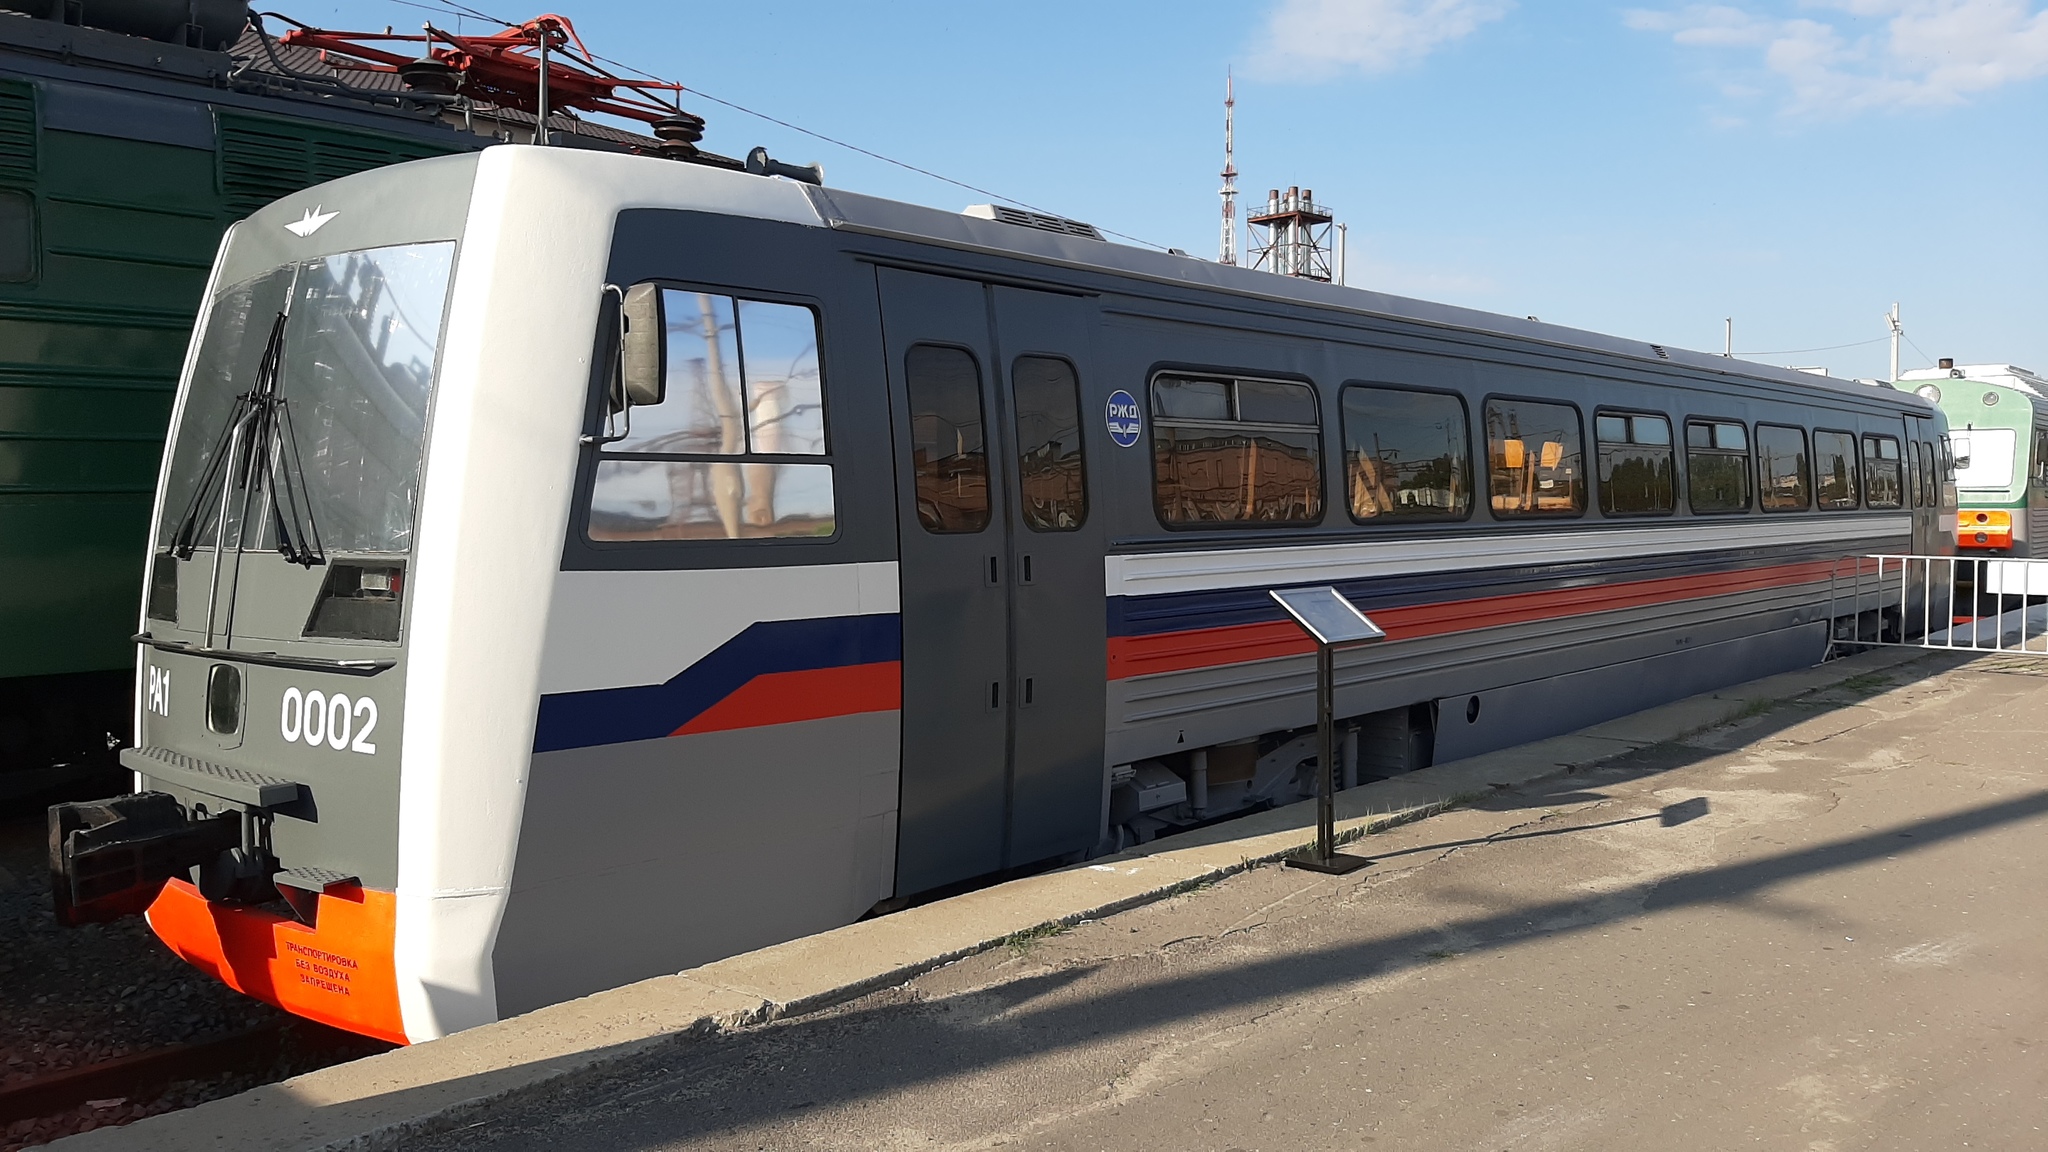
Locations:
(1661, 353)
(1004, 214)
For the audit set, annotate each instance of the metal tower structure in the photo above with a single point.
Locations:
(1226, 252)
(1292, 236)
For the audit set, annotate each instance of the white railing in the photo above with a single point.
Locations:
(1969, 603)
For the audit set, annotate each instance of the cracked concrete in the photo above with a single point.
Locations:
(1818, 927)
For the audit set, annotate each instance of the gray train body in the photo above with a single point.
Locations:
(645, 699)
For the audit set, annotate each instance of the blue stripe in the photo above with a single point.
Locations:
(651, 711)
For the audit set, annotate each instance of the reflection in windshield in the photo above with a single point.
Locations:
(356, 372)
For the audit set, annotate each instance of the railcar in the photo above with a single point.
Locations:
(1998, 421)
(571, 568)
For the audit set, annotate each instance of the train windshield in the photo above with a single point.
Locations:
(351, 341)
(1986, 454)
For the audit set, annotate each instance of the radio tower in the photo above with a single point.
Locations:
(1227, 251)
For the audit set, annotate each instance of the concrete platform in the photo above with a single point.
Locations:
(383, 1101)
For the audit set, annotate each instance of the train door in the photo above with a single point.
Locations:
(1060, 627)
(1002, 719)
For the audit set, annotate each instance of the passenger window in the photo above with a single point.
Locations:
(1913, 496)
(1231, 451)
(1930, 490)
(1407, 455)
(948, 454)
(1535, 458)
(711, 459)
(1881, 485)
(17, 236)
(1716, 466)
(1635, 463)
(1783, 482)
(1052, 484)
(1834, 467)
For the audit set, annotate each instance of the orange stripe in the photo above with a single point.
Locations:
(812, 694)
(1206, 647)
(340, 973)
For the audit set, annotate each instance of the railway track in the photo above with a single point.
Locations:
(102, 1025)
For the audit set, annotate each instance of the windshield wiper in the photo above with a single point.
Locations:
(269, 466)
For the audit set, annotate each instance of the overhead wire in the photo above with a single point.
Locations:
(463, 9)
(1828, 348)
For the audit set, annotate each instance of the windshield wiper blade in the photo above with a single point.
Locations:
(270, 466)
(185, 538)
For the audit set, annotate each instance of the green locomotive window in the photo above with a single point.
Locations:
(1536, 459)
(1834, 468)
(17, 237)
(1716, 466)
(949, 453)
(1783, 482)
(1635, 463)
(1231, 451)
(1881, 468)
(1407, 454)
(1052, 487)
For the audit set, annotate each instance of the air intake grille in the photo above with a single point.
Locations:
(1005, 214)
(17, 133)
(261, 159)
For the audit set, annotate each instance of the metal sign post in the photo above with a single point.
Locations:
(1333, 623)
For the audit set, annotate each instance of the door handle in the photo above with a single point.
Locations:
(995, 694)
(995, 571)
(1025, 575)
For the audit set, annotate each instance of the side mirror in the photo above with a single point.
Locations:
(643, 345)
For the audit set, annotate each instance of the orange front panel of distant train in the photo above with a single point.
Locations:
(1983, 528)
(339, 973)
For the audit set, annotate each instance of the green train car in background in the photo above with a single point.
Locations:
(1998, 430)
(132, 134)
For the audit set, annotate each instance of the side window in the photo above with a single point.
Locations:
(1407, 455)
(1635, 463)
(1232, 451)
(1834, 469)
(734, 447)
(1930, 489)
(17, 237)
(1914, 499)
(1052, 484)
(1716, 466)
(1783, 482)
(1536, 459)
(1881, 464)
(948, 453)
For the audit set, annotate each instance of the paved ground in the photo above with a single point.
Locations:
(1820, 928)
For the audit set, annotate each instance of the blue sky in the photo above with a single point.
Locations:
(1642, 168)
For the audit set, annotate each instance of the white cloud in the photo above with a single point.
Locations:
(1847, 56)
(1318, 39)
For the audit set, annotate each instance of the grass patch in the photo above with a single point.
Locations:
(1868, 682)
(1021, 942)
(1442, 954)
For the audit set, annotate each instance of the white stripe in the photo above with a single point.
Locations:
(616, 629)
(1159, 573)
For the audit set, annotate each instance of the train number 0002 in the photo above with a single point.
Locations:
(336, 721)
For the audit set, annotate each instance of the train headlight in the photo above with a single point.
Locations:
(1928, 392)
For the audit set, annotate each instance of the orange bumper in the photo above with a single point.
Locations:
(340, 973)
(1986, 529)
